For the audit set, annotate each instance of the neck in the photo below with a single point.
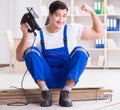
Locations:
(52, 29)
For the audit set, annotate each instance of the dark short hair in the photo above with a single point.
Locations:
(57, 5)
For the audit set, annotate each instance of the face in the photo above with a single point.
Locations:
(58, 18)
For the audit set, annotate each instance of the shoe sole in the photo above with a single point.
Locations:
(65, 104)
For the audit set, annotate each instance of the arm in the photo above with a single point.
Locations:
(24, 43)
(97, 30)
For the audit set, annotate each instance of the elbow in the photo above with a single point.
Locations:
(100, 31)
(19, 58)
(102, 34)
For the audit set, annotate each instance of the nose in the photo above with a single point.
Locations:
(62, 19)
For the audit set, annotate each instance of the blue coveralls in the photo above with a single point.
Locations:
(55, 66)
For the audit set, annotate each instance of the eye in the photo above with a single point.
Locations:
(57, 15)
(64, 15)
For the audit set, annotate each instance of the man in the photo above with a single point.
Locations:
(55, 60)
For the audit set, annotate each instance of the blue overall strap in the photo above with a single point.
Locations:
(42, 40)
(65, 35)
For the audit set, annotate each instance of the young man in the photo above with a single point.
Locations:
(55, 60)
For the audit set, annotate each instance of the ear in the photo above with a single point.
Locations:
(47, 21)
(49, 15)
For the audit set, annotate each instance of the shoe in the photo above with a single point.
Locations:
(46, 98)
(64, 99)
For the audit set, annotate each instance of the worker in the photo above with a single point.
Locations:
(55, 60)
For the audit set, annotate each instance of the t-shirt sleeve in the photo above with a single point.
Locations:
(75, 29)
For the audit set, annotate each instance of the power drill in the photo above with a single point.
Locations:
(30, 19)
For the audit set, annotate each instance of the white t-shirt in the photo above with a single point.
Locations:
(55, 40)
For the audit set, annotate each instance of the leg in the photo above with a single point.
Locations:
(75, 67)
(77, 64)
(39, 70)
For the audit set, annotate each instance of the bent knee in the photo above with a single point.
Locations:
(80, 51)
(33, 50)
